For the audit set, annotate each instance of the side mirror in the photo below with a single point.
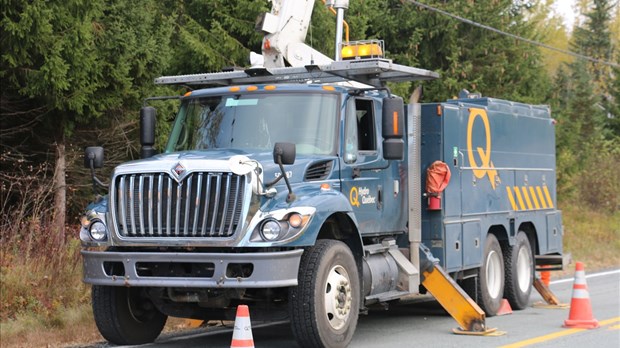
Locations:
(93, 158)
(393, 120)
(285, 151)
(393, 128)
(94, 155)
(393, 149)
(148, 115)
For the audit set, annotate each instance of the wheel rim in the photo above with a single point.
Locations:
(524, 270)
(139, 309)
(337, 297)
(494, 274)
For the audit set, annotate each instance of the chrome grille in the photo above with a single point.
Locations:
(156, 205)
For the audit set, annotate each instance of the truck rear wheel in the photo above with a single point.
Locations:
(519, 265)
(324, 307)
(491, 275)
(125, 316)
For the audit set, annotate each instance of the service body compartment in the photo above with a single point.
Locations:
(501, 156)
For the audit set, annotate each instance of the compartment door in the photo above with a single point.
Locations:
(472, 244)
(451, 155)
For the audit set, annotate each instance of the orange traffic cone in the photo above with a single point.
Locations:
(545, 276)
(580, 315)
(242, 333)
(504, 308)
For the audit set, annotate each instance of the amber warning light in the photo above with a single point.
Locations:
(362, 49)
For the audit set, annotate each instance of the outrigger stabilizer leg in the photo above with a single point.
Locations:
(453, 299)
(548, 296)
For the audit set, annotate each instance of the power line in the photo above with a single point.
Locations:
(532, 42)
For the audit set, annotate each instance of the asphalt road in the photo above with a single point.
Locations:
(415, 324)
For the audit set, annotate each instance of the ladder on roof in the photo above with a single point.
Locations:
(375, 72)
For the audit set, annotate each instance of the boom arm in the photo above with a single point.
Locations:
(286, 27)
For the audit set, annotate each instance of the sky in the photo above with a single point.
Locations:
(566, 9)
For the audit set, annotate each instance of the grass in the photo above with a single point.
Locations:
(43, 302)
(42, 299)
(592, 237)
(75, 325)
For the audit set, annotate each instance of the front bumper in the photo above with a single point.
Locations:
(269, 269)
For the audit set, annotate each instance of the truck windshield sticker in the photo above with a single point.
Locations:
(486, 166)
(240, 102)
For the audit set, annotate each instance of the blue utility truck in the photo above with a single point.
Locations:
(306, 192)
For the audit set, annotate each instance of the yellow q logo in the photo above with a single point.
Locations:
(354, 197)
(486, 166)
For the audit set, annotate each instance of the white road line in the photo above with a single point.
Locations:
(593, 275)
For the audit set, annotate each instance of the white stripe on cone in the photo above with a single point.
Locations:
(580, 277)
(581, 293)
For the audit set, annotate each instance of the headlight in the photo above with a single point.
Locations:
(281, 225)
(98, 231)
(93, 229)
(270, 230)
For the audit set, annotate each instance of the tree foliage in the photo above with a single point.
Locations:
(586, 101)
(467, 57)
(74, 73)
(64, 65)
(211, 35)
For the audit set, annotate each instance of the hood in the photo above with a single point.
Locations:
(308, 167)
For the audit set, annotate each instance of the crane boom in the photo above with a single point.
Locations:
(285, 28)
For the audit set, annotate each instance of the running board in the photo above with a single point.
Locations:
(387, 296)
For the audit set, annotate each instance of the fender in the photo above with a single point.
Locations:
(326, 202)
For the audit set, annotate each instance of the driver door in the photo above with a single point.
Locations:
(363, 179)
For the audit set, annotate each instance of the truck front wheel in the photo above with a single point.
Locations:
(324, 307)
(125, 316)
(519, 265)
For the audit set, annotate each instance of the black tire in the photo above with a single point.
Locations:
(324, 307)
(124, 316)
(491, 277)
(519, 266)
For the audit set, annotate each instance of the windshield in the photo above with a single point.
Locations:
(255, 122)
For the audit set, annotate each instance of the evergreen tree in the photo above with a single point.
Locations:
(65, 64)
(587, 141)
(613, 121)
(466, 56)
(211, 35)
(594, 40)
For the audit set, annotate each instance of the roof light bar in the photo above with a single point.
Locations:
(362, 49)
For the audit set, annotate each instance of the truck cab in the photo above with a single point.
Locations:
(251, 176)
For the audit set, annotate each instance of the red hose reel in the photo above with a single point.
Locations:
(437, 179)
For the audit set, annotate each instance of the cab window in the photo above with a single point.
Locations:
(365, 125)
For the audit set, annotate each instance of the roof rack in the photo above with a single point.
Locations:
(375, 72)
